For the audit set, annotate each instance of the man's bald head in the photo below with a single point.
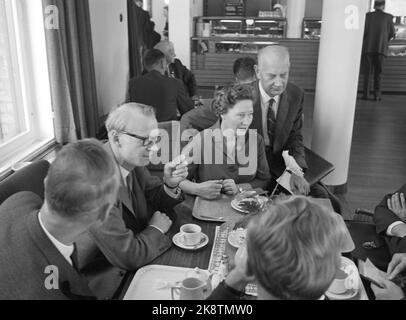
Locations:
(273, 69)
(273, 55)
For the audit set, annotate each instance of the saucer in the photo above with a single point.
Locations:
(351, 293)
(177, 240)
(234, 238)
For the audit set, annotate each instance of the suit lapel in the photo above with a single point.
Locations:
(257, 120)
(283, 111)
(124, 197)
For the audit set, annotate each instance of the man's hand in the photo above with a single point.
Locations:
(390, 291)
(229, 187)
(397, 265)
(209, 189)
(239, 277)
(161, 220)
(397, 205)
(299, 185)
(175, 171)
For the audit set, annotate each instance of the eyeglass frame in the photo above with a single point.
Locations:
(146, 141)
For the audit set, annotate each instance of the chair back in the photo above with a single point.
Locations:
(30, 178)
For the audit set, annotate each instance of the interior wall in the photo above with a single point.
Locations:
(110, 50)
(158, 16)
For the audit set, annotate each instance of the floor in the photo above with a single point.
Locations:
(378, 153)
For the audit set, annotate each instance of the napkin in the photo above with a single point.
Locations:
(284, 181)
(369, 271)
(291, 164)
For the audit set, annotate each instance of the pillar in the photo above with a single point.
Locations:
(337, 83)
(295, 13)
(181, 28)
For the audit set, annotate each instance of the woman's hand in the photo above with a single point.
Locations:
(229, 187)
(209, 189)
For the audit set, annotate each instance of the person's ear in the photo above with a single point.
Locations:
(116, 138)
(256, 70)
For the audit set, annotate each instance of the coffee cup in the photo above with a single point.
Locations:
(191, 234)
(338, 284)
(190, 289)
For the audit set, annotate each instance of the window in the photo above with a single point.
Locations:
(25, 104)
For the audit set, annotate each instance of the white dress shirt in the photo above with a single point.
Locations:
(264, 107)
(65, 250)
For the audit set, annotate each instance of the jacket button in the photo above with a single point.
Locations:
(121, 273)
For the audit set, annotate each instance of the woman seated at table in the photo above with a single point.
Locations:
(227, 156)
(292, 252)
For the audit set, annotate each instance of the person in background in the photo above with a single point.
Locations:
(166, 95)
(176, 69)
(379, 30)
(228, 141)
(283, 265)
(243, 69)
(165, 32)
(135, 232)
(390, 290)
(203, 117)
(37, 258)
(390, 220)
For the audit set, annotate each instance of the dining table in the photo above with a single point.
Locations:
(188, 212)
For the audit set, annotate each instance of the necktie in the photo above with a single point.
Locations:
(271, 121)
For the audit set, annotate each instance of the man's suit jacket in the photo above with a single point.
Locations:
(165, 94)
(26, 252)
(383, 217)
(288, 132)
(185, 75)
(379, 29)
(125, 242)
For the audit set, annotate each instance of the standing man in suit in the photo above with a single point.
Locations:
(37, 256)
(135, 232)
(175, 67)
(379, 30)
(390, 220)
(166, 95)
(278, 114)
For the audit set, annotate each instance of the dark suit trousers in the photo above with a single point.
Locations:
(372, 62)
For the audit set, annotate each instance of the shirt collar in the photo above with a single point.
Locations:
(124, 172)
(265, 97)
(65, 250)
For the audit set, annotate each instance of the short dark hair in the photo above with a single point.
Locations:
(243, 68)
(227, 97)
(379, 3)
(82, 178)
(152, 57)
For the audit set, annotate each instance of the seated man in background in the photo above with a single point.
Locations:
(390, 220)
(175, 67)
(37, 256)
(228, 142)
(166, 95)
(135, 232)
(203, 117)
(283, 265)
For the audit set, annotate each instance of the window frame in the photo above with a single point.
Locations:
(32, 96)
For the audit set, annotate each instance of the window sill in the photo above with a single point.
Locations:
(37, 150)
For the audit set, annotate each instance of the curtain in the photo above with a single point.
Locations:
(71, 71)
(135, 38)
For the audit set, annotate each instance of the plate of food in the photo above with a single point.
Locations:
(249, 202)
(237, 237)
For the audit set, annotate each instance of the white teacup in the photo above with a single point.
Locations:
(191, 234)
(345, 280)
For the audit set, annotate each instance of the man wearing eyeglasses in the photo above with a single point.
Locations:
(135, 232)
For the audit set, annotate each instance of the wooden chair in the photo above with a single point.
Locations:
(30, 178)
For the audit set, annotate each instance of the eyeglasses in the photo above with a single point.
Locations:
(146, 141)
